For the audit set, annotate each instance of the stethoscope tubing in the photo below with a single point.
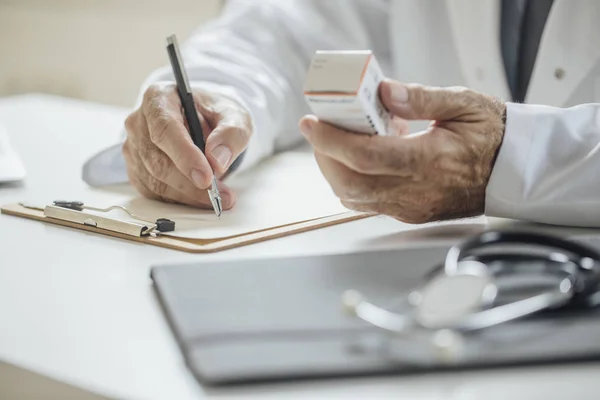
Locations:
(577, 277)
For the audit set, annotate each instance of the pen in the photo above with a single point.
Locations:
(189, 108)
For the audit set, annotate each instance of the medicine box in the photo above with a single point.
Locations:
(342, 89)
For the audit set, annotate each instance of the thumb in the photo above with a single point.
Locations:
(224, 144)
(418, 102)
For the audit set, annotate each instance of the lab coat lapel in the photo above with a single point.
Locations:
(568, 51)
(475, 26)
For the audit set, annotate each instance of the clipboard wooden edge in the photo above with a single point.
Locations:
(195, 245)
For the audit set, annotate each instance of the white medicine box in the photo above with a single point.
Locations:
(342, 89)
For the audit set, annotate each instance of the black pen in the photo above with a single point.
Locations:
(189, 108)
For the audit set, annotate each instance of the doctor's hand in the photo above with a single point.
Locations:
(162, 161)
(438, 174)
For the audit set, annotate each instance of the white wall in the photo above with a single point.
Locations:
(98, 50)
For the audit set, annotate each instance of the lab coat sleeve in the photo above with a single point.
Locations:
(548, 166)
(258, 52)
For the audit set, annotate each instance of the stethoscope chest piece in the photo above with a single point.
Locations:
(476, 289)
(447, 300)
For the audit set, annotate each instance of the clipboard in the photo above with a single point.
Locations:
(142, 233)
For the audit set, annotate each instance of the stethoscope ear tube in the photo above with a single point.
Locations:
(587, 259)
(574, 268)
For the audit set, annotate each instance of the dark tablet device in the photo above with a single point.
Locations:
(280, 319)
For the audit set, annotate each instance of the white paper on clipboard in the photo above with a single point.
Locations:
(285, 189)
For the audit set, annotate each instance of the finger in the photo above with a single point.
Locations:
(166, 129)
(137, 130)
(225, 143)
(230, 137)
(370, 155)
(350, 185)
(150, 187)
(418, 102)
(138, 175)
(162, 168)
(164, 192)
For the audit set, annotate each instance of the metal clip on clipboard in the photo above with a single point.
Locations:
(75, 212)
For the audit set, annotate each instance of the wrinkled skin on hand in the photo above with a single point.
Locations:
(162, 161)
(438, 174)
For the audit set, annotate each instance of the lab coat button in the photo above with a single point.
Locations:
(559, 73)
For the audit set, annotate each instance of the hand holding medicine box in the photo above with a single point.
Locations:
(342, 89)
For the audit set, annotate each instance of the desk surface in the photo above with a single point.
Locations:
(80, 308)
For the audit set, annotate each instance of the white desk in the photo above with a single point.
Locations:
(80, 307)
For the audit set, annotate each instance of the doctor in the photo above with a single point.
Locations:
(484, 152)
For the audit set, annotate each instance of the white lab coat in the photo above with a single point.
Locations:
(546, 171)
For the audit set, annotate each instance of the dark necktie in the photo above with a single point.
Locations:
(522, 24)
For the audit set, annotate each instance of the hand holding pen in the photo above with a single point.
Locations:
(164, 163)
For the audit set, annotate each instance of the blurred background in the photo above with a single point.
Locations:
(96, 50)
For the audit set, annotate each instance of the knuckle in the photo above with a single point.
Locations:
(157, 187)
(152, 91)
(247, 118)
(231, 129)
(160, 126)
(237, 136)
(125, 150)
(365, 159)
(239, 132)
(464, 97)
(130, 124)
(419, 96)
(242, 130)
(183, 187)
(246, 133)
(158, 164)
(439, 167)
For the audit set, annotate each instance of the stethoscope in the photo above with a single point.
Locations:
(481, 286)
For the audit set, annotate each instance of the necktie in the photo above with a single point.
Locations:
(522, 25)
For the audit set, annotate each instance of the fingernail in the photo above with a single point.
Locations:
(198, 178)
(307, 125)
(399, 92)
(223, 155)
